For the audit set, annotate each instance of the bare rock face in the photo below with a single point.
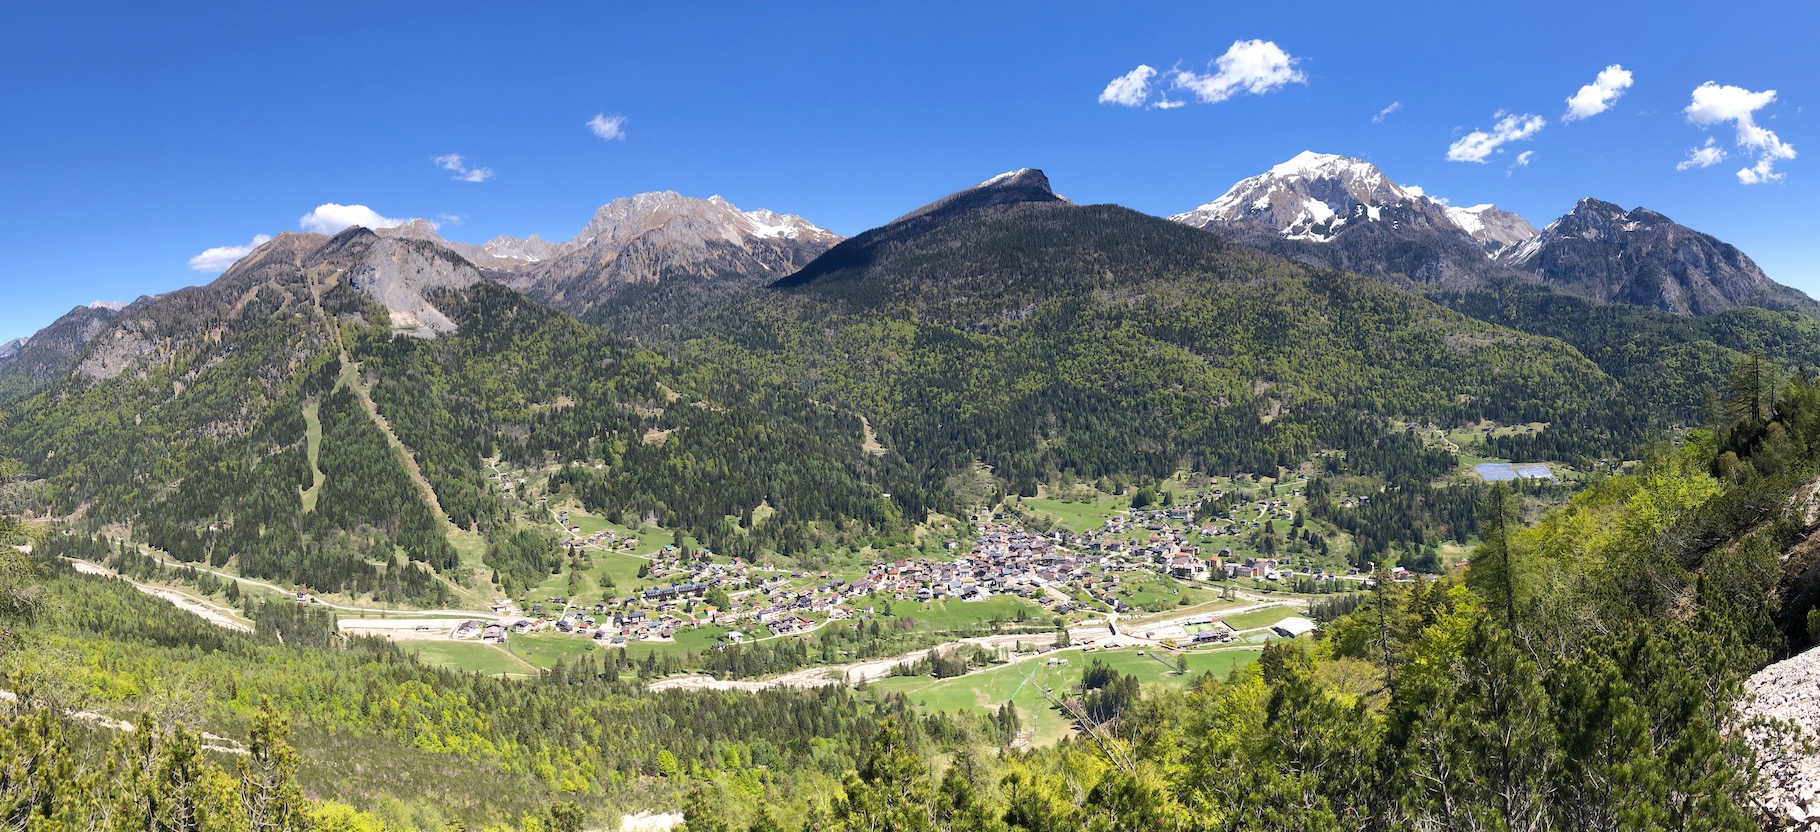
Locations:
(688, 250)
(398, 272)
(153, 328)
(500, 254)
(1782, 722)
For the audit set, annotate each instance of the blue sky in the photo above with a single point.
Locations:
(137, 136)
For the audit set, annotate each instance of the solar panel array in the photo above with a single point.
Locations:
(1506, 472)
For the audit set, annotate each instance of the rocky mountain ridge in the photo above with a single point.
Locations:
(283, 275)
(1640, 257)
(29, 363)
(637, 245)
(1346, 213)
(1024, 186)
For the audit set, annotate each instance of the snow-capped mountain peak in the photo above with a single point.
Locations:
(1309, 197)
(1313, 196)
(1311, 165)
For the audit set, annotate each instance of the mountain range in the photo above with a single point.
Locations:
(1000, 334)
(652, 262)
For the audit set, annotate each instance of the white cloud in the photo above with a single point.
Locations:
(1130, 89)
(1597, 97)
(333, 218)
(1714, 104)
(1385, 113)
(608, 127)
(1253, 66)
(1704, 156)
(219, 258)
(450, 219)
(1522, 161)
(1760, 172)
(1169, 104)
(1478, 145)
(456, 164)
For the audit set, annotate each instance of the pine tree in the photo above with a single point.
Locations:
(269, 793)
(1493, 569)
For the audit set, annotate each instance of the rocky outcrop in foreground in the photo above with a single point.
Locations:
(1782, 712)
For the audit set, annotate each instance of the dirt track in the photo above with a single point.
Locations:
(213, 613)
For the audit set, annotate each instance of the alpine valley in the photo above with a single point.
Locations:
(1373, 512)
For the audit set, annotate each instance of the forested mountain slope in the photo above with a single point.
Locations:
(1669, 364)
(191, 419)
(332, 722)
(1006, 326)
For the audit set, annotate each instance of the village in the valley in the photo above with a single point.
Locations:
(1133, 563)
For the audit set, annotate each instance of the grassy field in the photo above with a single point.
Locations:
(623, 567)
(546, 649)
(1078, 516)
(1259, 618)
(958, 615)
(622, 564)
(469, 656)
(1023, 683)
(1160, 593)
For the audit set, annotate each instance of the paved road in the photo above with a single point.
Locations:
(1099, 633)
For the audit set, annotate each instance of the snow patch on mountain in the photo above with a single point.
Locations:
(1007, 176)
(765, 224)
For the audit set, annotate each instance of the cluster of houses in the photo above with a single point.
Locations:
(489, 632)
(603, 539)
(1057, 570)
